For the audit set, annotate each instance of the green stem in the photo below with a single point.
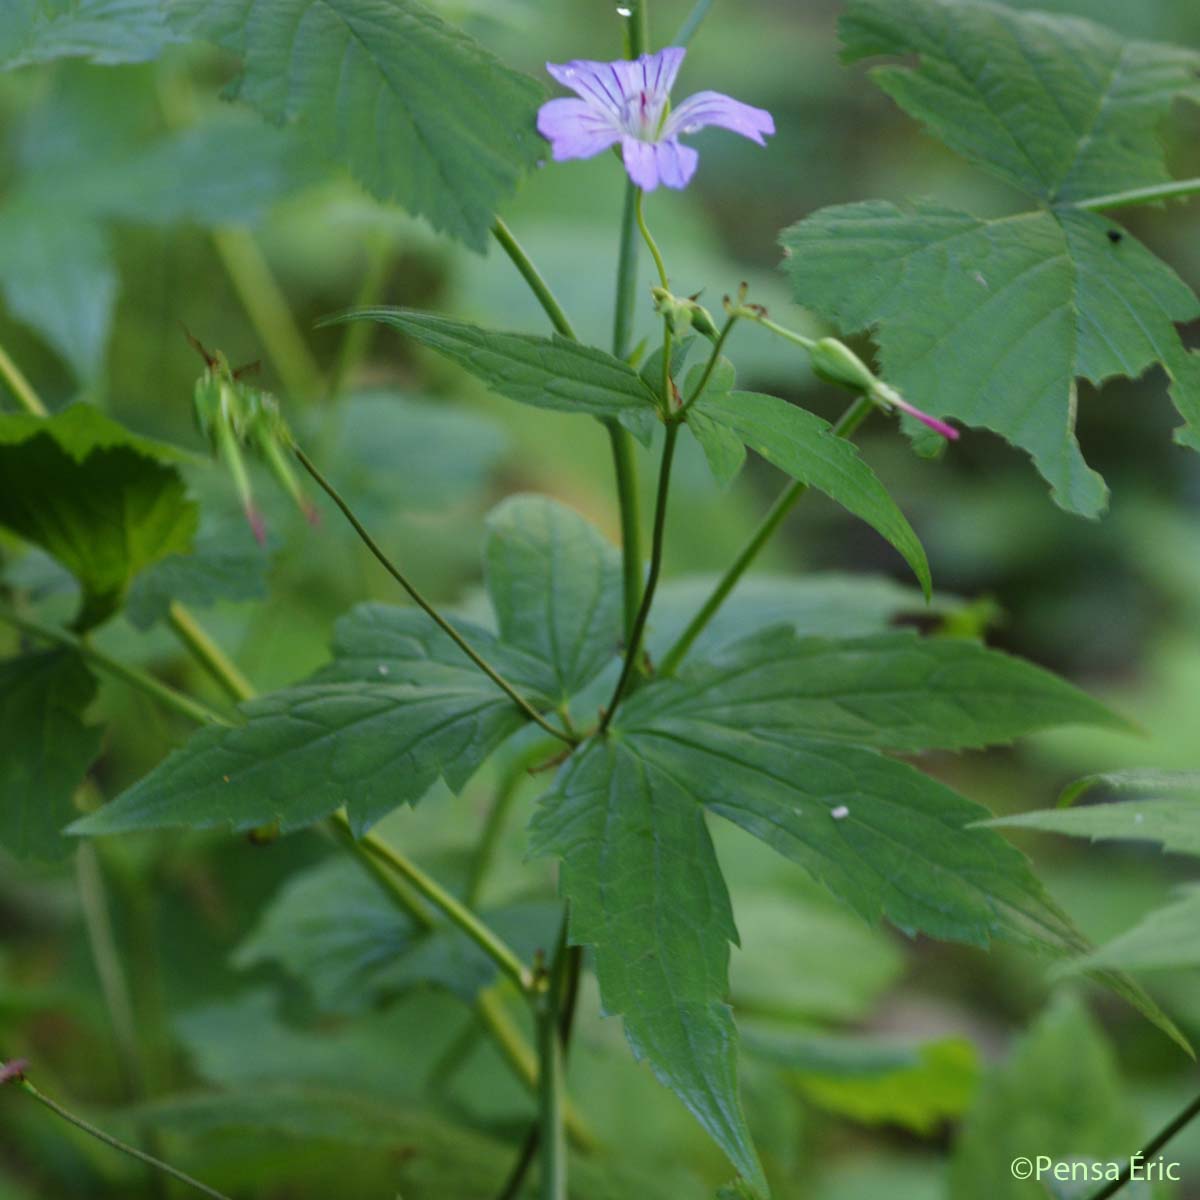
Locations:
(656, 555)
(425, 605)
(637, 28)
(711, 366)
(532, 276)
(206, 652)
(1179, 189)
(851, 419)
(268, 309)
(622, 443)
(114, 987)
(694, 19)
(1151, 1148)
(22, 390)
(551, 1084)
(131, 675)
(790, 335)
(114, 1143)
(656, 254)
(455, 911)
(627, 264)
(357, 335)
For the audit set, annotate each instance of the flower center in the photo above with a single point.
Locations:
(644, 115)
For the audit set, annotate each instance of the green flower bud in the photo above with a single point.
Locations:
(677, 313)
(835, 362)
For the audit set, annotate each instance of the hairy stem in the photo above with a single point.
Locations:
(633, 650)
(426, 606)
(22, 390)
(1151, 1148)
(851, 419)
(130, 675)
(268, 310)
(114, 1143)
(692, 22)
(207, 653)
(1179, 189)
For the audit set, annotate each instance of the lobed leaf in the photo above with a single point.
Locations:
(554, 373)
(806, 448)
(1167, 939)
(418, 111)
(102, 501)
(103, 31)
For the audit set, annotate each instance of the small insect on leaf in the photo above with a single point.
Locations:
(1115, 236)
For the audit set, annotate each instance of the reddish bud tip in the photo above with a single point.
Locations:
(257, 525)
(13, 1072)
(311, 513)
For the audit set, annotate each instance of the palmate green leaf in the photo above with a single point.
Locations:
(646, 892)
(806, 448)
(104, 502)
(334, 929)
(1059, 1094)
(993, 322)
(555, 584)
(554, 373)
(103, 31)
(45, 749)
(418, 111)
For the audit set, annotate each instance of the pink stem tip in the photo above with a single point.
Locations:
(947, 431)
(13, 1072)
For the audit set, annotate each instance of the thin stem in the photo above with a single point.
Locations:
(1151, 1148)
(425, 605)
(532, 276)
(711, 366)
(1180, 189)
(627, 264)
(114, 1143)
(206, 652)
(790, 335)
(851, 419)
(656, 555)
(694, 19)
(22, 390)
(551, 1083)
(656, 254)
(268, 309)
(637, 28)
(131, 675)
(455, 911)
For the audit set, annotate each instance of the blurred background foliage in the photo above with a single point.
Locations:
(131, 200)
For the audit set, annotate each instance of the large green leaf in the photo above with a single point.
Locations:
(103, 502)
(418, 111)
(45, 748)
(1058, 1096)
(104, 31)
(400, 708)
(555, 583)
(994, 321)
(646, 893)
(552, 372)
(807, 449)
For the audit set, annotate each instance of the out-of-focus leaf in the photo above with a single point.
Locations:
(554, 373)
(555, 583)
(45, 748)
(646, 893)
(876, 1080)
(104, 502)
(104, 31)
(1059, 1095)
(418, 111)
(993, 322)
(806, 448)
(1166, 939)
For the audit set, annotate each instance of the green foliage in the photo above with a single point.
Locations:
(418, 111)
(994, 321)
(104, 502)
(554, 373)
(1166, 939)
(806, 448)
(45, 748)
(1058, 1095)
(555, 584)
(104, 31)
(874, 1080)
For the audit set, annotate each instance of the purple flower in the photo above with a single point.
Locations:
(630, 102)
